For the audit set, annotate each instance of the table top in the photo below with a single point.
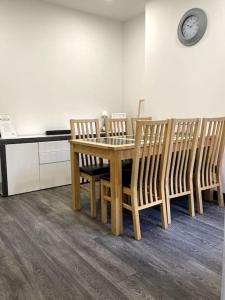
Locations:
(113, 143)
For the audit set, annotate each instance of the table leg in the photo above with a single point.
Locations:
(209, 195)
(116, 194)
(75, 178)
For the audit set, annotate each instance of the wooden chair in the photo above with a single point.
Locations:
(210, 159)
(134, 122)
(92, 168)
(145, 186)
(184, 136)
(116, 127)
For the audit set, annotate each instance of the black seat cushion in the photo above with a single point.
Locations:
(127, 164)
(95, 170)
(126, 177)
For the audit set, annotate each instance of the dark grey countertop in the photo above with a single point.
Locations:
(34, 139)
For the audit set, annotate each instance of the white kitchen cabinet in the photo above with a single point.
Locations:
(22, 168)
(33, 163)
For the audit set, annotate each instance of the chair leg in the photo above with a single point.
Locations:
(100, 195)
(191, 203)
(122, 215)
(199, 201)
(168, 211)
(103, 205)
(93, 198)
(136, 224)
(164, 215)
(220, 195)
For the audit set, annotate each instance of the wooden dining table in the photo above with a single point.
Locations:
(114, 149)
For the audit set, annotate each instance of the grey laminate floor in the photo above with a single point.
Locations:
(47, 251)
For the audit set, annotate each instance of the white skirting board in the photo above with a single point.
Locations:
(224, 174)
(223, 276)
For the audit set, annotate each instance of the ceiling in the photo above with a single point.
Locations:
(121, 10)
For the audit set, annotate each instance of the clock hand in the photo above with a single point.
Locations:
(194, 23)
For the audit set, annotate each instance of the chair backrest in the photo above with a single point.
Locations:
(116, 127)
(149, 166)
(211, 152)
(183, 141)
(85, 129)
(134, 122)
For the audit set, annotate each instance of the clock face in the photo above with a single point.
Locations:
(190, 27)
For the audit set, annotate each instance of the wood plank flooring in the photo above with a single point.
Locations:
(48, 251)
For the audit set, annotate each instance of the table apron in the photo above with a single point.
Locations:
(103, 153)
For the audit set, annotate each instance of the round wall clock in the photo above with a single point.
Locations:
(192, 27)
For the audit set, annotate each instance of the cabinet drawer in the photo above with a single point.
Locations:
(54, 146)
(57, 174)
(54, 156)
(53, 152)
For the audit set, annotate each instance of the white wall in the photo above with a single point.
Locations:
(184, 81)
(179, 81)
(134, 63)
(56, 64)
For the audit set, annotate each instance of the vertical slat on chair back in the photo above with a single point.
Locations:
(116, 127)
(134, 122)
(181, 157)
(149, 165)
(211, 151)
(84, 129)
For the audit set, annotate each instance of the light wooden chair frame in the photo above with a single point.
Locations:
(184, 136)
(209, 161)
(148, 172)
(134, 122)
(82, 129)
(116, 127)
